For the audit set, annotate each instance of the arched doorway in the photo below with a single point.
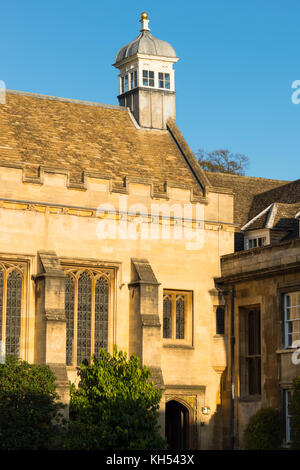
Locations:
(177, 425)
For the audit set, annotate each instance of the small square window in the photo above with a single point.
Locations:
(164, 80)
(148, 78)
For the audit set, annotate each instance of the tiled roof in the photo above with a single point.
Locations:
(245, 189)
(277, 216)
(260, 221)
(289, 193)
(285, 216)
(37, 130)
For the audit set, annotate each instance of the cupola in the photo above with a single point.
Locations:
(146, 79)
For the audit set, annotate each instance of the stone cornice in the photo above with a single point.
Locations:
(258, 273)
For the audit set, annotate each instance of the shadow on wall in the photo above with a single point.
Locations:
(184, 432)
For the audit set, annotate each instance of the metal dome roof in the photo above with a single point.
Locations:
(147, 44)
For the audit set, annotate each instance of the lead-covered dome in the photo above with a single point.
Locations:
(145, 43)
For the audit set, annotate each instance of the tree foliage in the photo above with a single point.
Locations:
(115, 406)
(28, 405)
(263, 431)
(223, 161)
(295, 414)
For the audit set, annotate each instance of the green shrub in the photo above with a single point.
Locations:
(114, 407)
(28, 405)
(295, 414)
(263, 431)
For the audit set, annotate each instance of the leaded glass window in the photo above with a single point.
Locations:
(180, 306)
(101, 315)
(69, 309)
(11, 289)
(84, 318)
(177, 315)
(13, 313)
(87, 314)
(167, 320)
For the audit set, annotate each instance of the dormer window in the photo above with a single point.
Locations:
(255, 242)
(164, 80)
(133, 79)
(148, 78)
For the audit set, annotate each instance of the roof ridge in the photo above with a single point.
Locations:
(68, 100)
(247, 177)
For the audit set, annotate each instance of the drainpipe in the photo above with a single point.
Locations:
(232, 350)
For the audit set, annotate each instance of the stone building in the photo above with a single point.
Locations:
(112, 234)
(260, 284)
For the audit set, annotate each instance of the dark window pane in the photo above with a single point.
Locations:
(161, 84)
(13, 313)
(254, 347)
(167, 318)
(160, 76)
(101, 315)
(253, 332)
(151, 82)
(145, 81)
(254, 375)
(69, 311)
(151, 74)
(145, 73)
(84, 318)
(220, 321)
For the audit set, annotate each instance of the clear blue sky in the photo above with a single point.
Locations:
(238, 59)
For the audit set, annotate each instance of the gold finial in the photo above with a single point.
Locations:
(144, 21)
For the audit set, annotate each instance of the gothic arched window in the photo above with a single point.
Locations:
(11, 285)
(167, 320)
(87, 315)
(178, 315)
(69, 309)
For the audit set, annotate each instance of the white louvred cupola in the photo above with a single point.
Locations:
(146, 79)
